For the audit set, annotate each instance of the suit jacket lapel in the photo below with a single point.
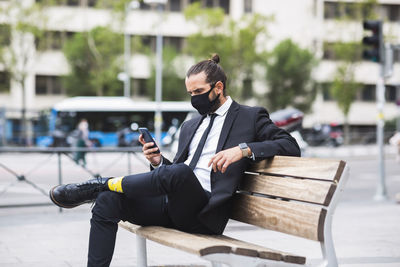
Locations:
(230, 118)
(189, 136)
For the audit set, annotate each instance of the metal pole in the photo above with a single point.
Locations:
(59, 172)
(159, 66)
(381, 193)
(129, 162)
(127, 56)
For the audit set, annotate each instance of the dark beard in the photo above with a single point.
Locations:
(216, 105)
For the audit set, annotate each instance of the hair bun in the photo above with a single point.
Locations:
(215, 58)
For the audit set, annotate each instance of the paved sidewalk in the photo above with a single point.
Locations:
(366, 232)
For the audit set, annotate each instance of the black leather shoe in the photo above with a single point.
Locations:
(72, 195)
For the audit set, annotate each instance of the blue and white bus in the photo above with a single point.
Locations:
(110, 119)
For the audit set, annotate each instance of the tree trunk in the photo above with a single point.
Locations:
(346, 132)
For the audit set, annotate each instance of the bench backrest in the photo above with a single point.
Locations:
(289, 195)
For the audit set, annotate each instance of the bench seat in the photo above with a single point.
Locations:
(203, 245)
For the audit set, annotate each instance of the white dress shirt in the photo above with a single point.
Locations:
(202, 171)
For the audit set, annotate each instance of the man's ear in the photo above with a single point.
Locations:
(220, 87)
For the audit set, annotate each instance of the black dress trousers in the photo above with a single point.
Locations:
(169, 196)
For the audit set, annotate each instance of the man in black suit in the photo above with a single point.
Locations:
(193, 193)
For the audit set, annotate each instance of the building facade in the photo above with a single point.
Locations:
(313, 24)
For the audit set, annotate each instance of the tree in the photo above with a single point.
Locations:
(344, 86)
(94, 59)
(289, 77)
(173, 84)
(25, 22)
(234, 41)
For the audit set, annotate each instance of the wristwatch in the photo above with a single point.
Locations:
(245, 149)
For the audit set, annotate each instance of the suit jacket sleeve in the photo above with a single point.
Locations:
(271, 140)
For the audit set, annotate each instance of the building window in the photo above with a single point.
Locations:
(175, 42)
(248, 6)
(90, 3)
(4, 81)
(139, 87)
(337, 10)
(144, 6)
(326, 91)
(335, 51)
(328, 51)
(72, 2)
(5, 35)
(331, 10)
(174, 5)
(391, 94)
(368, 93)
(52, 40)
(48, 85)
(396, 55)
(390, 12)
(172, 41)
(149, 42)
(224, 4)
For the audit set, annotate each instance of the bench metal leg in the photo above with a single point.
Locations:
(216, 264)
(141, 253)
(327, 246)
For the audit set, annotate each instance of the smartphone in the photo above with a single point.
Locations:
(148, 138)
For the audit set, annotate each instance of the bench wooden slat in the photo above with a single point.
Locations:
(284, 216)
(202, 245)
(311, 168)
(313, 191)
(263, 252)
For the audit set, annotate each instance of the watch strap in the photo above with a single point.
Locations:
(245, 149)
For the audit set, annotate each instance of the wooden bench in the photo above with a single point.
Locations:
(296, 196)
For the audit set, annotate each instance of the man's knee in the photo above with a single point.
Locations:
(174, 176)
(108, 205)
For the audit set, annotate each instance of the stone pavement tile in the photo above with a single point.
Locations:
(371, 265)
(157, 255)
(38, 264)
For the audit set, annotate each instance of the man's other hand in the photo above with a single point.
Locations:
(154, 159)
(224, 158)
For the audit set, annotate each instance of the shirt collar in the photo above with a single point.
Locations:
(225, 107)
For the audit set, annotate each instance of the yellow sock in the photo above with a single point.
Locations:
(114, 184)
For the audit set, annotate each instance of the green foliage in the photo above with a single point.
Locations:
(26, 21)
(115, 5)
(349, 51)
(94, 58)
(344, 88)
(234, 41)
(289, 76)
(173, 86)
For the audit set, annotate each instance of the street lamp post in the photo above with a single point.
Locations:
(159, 67)
(125, 77)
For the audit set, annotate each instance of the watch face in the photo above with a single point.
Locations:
(243, 146)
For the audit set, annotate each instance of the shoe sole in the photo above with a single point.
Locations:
(59, 204)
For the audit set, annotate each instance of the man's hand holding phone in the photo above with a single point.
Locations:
(150, 149)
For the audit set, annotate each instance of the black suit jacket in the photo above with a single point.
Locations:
(243, 124)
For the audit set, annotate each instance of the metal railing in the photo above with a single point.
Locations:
(60, 152)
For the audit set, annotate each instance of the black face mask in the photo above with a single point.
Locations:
(202, 103)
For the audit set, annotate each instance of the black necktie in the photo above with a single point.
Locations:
(203, 139)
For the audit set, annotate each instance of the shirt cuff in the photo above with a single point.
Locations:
(252, 157)
(155, 167)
